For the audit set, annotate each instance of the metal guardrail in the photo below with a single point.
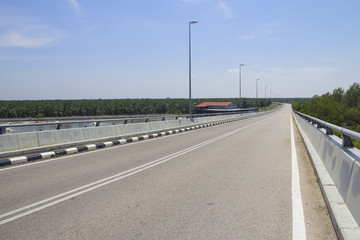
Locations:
(57, 125)
(346, 134)
(82, 118)
(96, 122)
(85, 123)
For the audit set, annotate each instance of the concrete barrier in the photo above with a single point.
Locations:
(353, 194)
(336, 159)
(31, 142)
(8, 143)
(46, 138)
(338, 170)
(62, 136)
(77, 135)
(27, 140)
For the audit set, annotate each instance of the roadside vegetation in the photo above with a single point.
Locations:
(270, 107)
(109, 107)
(340, 107)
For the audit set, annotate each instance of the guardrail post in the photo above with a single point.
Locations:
(329, 131)
(59, 126)
(126, 121)
(163, 118)
(2, 130)
(347, 142)
(97, 124)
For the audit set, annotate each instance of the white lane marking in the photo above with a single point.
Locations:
(105, 181)
(298, 222)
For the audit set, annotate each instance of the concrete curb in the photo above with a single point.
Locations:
(345, 225)
(73, 150)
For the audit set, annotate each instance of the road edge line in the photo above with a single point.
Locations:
(298, 220)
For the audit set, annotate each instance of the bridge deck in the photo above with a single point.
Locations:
(232, 181)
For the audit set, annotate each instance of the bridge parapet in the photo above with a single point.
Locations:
(345, 133)
(34, 140)
(337, 165)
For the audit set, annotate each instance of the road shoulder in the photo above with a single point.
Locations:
(317, 220)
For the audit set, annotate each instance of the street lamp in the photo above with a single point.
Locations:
(192, 22)
(240, 86)
(257, 103)
(265, 91)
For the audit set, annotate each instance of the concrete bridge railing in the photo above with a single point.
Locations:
(337, 165)
(48, 140)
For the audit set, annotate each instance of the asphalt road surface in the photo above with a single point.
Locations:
(230, 181)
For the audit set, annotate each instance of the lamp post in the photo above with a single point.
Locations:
(240, 86)
(257, 91)
(265, 91)
(257, 87)
(192, 22)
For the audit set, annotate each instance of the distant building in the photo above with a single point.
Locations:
(214, 107)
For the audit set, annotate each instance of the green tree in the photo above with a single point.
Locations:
(352, 96)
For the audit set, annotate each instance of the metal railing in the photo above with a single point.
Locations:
(346, 134)
(82, 118)
(96, 122)
(57, 125)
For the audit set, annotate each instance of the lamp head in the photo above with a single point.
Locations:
(193, 22)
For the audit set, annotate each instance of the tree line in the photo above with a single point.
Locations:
(102, 107)
(340, 107)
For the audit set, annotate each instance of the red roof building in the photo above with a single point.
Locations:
(216, 107)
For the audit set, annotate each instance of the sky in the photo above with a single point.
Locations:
(90, 49)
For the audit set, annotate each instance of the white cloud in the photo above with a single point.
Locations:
(223, 6)
(75, 5)
(301, 70)
(22, 39)
(28, 35)
(21, 31)
(313, 70)
(266, 29)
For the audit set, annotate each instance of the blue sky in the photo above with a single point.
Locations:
(76, 49)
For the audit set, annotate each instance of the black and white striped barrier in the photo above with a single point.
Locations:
(73, 150)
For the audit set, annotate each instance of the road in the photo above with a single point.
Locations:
(230, 181)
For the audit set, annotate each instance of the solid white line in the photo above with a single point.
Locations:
(298, 222)
(92, 186)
